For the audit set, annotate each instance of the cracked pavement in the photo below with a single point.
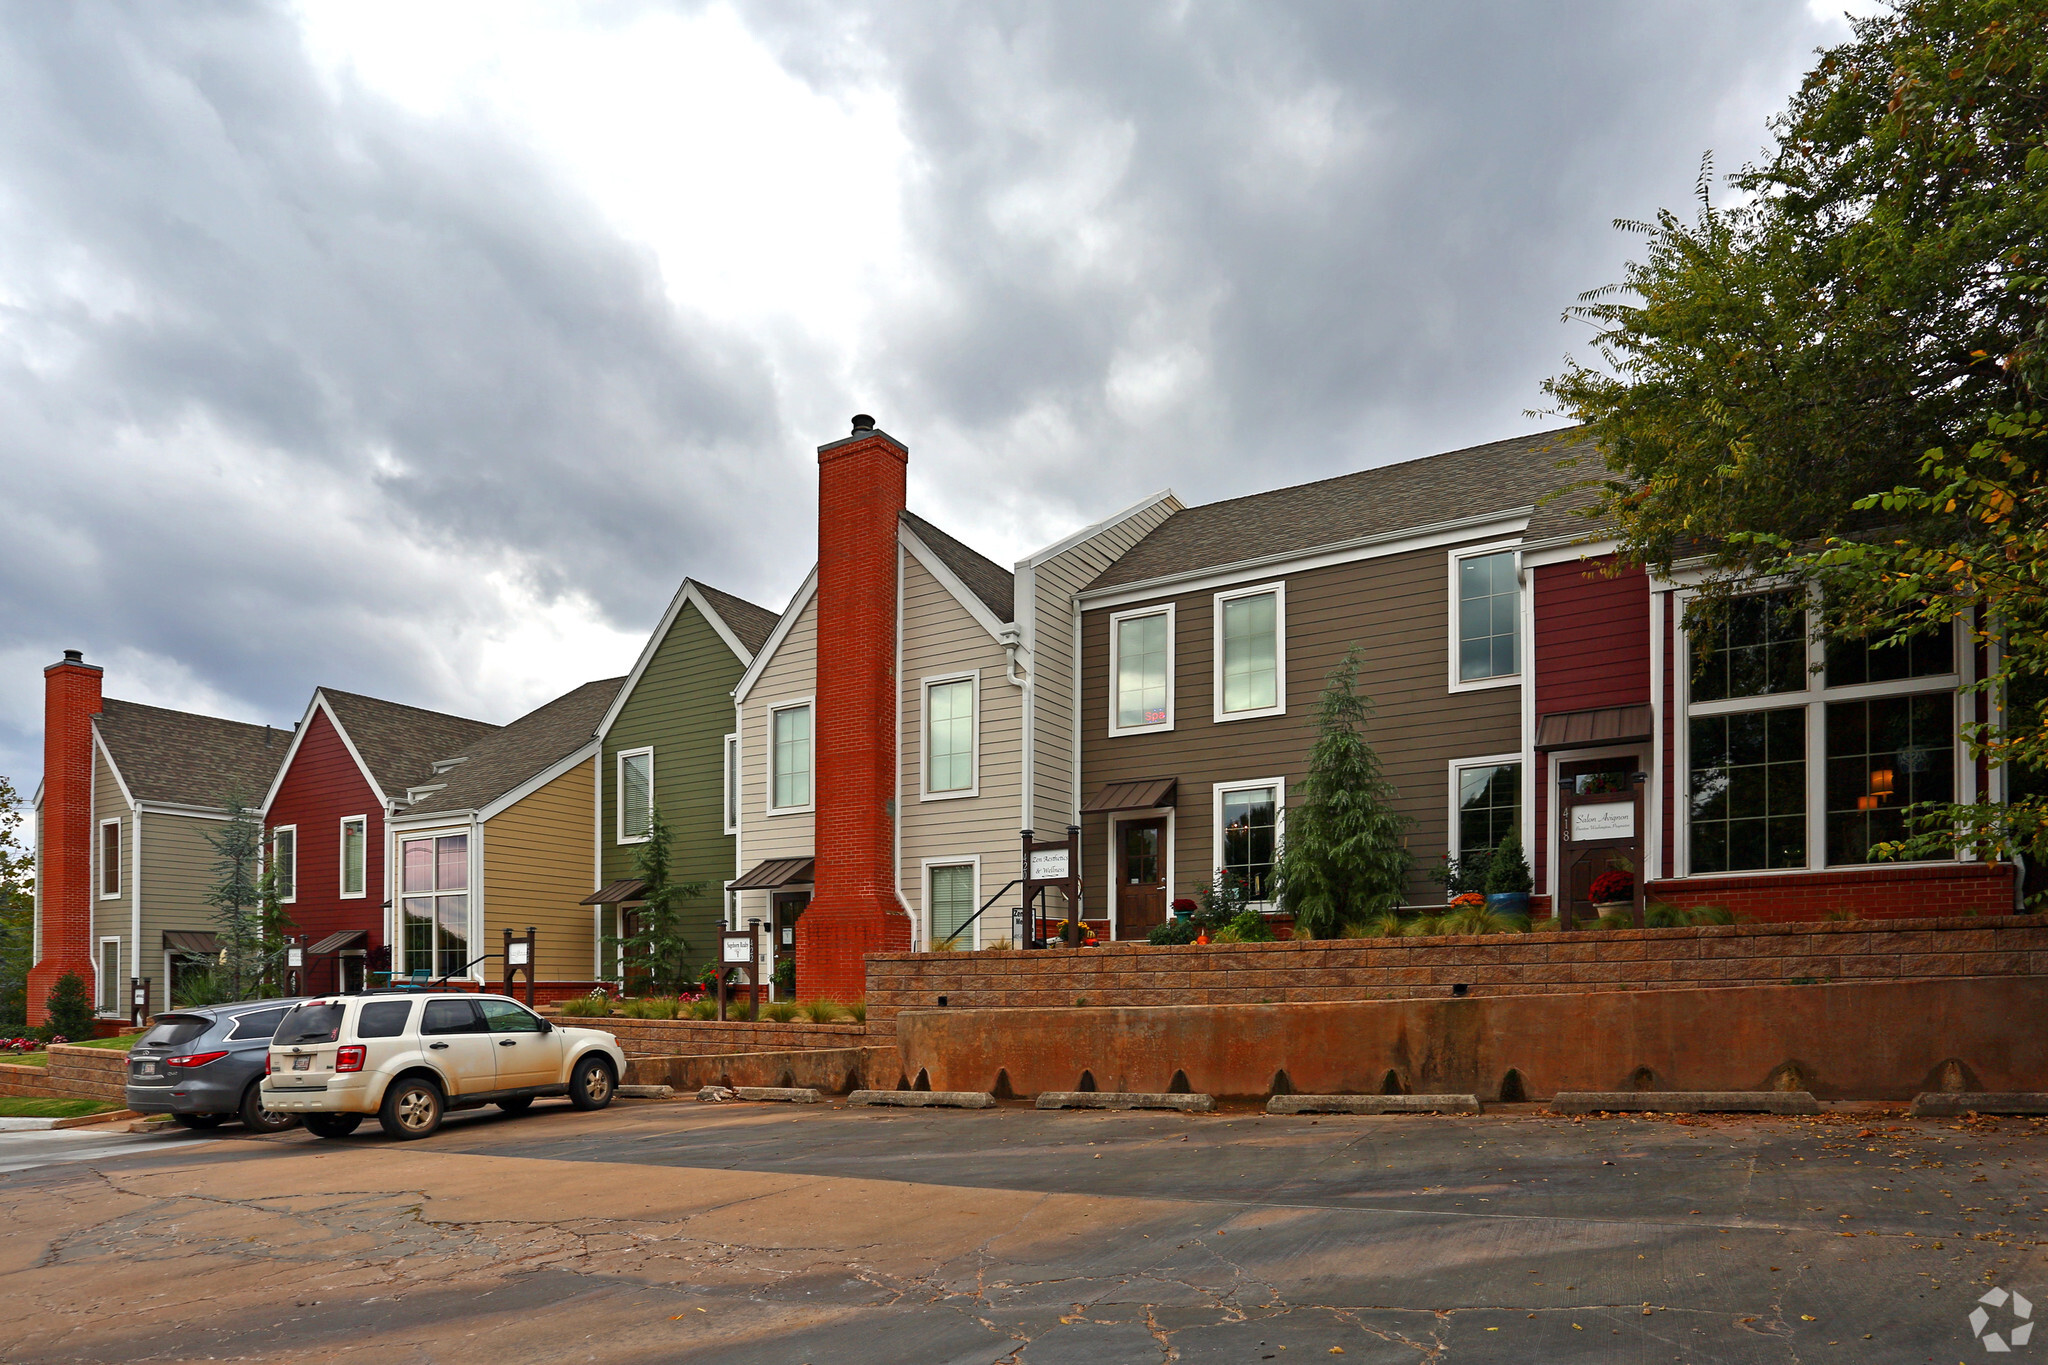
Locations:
(787, 1234)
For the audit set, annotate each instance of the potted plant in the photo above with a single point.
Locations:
(1612, 890)
(1508, 882)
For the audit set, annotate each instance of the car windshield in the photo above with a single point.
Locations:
(173, 1030)
(318, 1022)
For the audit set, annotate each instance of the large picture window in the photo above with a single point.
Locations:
(789, 730)
(1755, 646)
(1489, 805)
(1489, 613)
(1248, 834)
(1747, 809)
(1251, 652)
(949, 735)
(284, 862)
(1883, 756)
(950, 904)
(1141, 667)
(434, 887)
(636, 794)
(355, 854)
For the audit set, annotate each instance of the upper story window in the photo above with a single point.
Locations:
(284, 862)
(636, 794)
(110, 859)
(1251, 652)
(1755, 646)
(732, 784)
(789, 736)
(1141, 670)
(1489, 616)
(949, 734)
(355, 848)
(1851, 663)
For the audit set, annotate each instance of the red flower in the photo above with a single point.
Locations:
(1611, 886)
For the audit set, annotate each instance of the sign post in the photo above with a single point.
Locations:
(519, 959)
(138, 1000)
(1052, 865)
(295, 965)
(739, 950)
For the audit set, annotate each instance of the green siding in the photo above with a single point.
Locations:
(682, 707)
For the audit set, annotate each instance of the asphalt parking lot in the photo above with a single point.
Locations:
(785, 1234)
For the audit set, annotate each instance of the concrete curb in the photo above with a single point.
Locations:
(44, 1125)
(924, 1099)
(645, 1092)
(1684, 1102)
(1373, 1104)
(1124, 1099)
(781, 1093)
(1946, 1104)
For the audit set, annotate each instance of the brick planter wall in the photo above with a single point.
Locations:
(696, 1038)
(72, 1073)
(1120, 974)
(1887, 891)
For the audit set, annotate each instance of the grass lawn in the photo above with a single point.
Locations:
(13, 1108)
(120, 1043)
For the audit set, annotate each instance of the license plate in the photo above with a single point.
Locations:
(302, 1063)
(145, 1068)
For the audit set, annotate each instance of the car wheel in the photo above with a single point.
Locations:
(202, 1122)
(411, 1109)
(332, 1125)
(591, 1087)
(257, 1119)
(518, 1104)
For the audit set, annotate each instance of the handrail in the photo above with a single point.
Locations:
(979, 913)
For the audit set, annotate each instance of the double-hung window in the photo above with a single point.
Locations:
(950, 737)
(110, 859)
(636, 795)
(355, 852)
(1251, 652)
(1487, 627)
(284, 862)
(949, 905)
(789, 757)
(1141, 670)
(434, 896)
(1248, 833)
(1489, 804)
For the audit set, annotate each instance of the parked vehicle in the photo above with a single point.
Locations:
(205, 1066)
(409, 1057)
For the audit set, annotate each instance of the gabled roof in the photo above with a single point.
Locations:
(751, 623)
(989, 581)
(502, 760)
(1454, 486)
(184, 759)
(400, 743)
(744, 628)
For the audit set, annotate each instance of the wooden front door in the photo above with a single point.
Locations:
(789, 908)
(1599, 827)
(1140, 877)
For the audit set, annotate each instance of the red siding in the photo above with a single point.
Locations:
(1592, 636)
(322, 786)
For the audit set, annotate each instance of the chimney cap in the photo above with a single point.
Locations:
(74, 656)
(862, 422)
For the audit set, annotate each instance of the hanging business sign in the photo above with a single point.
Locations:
(1609, 820)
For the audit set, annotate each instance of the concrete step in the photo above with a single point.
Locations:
(1373, 1104)
(1684, 1102)
(1943, 1104)
(925, 1099)
(783, 1094)
(1125, 1099)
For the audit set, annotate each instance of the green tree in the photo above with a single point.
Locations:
(656, 947)
(1508, 870)
(17, 910)
(237, 900)
(68, 1009)
(1344, 860)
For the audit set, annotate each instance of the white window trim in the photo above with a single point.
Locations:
(1279, 708)
(619, 792)
(100, 857)
(99, 962)
(924, 898)
(924, 736)
(1217, 791)
(768, 797)
(1457, 766)
(293, 898)
(1453, 643)
(1116, 622)
(729, 813)
(472, 894)
(341, 861)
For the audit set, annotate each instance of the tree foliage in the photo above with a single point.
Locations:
(656, 950)
(243, 896)
(17, 910)
(68, 1009)
(1343, 860)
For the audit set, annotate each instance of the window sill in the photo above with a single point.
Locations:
(1225, 716)
(950, 796)
(1487, 684)
(784, 810)
(1121, 731)
(635, 839)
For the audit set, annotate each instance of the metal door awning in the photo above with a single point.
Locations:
(1144, 794)
(616, 893)
(771, 873)
(191, 941)
(340, 939)
(1601, 725)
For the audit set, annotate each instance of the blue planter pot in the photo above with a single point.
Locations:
(1508, 902)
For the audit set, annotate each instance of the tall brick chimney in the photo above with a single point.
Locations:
(854, 909)
(71, 698)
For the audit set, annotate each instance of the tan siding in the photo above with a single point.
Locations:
(791, 673)
(940, 637)
(177, 871)
(536, 869)
(112, 918)
(1396, 609)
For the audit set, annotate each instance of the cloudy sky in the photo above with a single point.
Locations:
(421, 348)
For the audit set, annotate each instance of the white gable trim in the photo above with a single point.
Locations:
(317, 706)
(688, 592)
(1094, 529)
(99, 742)
(783, 627)
(950, 581)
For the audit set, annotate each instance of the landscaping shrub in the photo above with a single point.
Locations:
(858, 1011)
(587, 1007)
(1174, 931)
(1509, 869)
(650, 1007)
(70, 1010)
(706, 1008)
(1477, 919)
(821, 1011)
(780, 1011)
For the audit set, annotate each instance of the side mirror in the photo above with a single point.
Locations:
(546, 1026)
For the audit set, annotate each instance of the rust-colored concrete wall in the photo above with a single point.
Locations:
(834, 1070)
(1862, 1040)
(696, 1037)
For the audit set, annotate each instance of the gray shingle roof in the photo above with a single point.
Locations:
(985, 578)
(1390, 498)
(506, 757)
(398, 742)
(752, 624)
(187, 759)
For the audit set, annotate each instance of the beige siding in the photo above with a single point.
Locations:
(940, 637)
(791, 674)
(536, 869)
(177, 870)
(112, 918)
(1054, 583)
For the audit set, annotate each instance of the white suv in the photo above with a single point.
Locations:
(409, 1057)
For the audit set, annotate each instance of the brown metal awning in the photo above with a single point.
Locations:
(616, 893)
(341, 938)
(1602, 725)
(1143, 794)
(191, 941)
(773, 872)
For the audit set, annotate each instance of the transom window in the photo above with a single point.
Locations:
(1489, 805)
(790, 756)
(1755, 646)
(284, 862)
(636, 794)
(1853, 662)
(950, 904)
(1141, 648)
(1250, 652)
(1489, 609)
(434, 882)
(355, 853)
(1248, 834)
(949, 735)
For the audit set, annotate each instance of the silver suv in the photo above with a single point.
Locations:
(409, 1057)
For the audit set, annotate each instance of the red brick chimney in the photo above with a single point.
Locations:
(71, 698)
(855, 909)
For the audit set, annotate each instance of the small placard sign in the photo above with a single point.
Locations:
(515, 954)
(295, 956)
(1610, 820)
(788, 935)
(739, 949)
(1049, 865)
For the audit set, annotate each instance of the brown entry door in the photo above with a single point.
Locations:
(1600, 826)
(789, 908)
(1140, 877)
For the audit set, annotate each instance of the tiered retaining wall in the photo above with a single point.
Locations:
(696, 1037)
(836, 1070)
(72, 1073)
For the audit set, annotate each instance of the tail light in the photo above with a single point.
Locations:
(266, 1061)
(194, 1059)
(350, 1058)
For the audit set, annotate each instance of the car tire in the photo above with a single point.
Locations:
(257, 1119)
(332, 1125)
(412, 1109)
(199, 1122)
(592, 1085)
(518, 1104)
